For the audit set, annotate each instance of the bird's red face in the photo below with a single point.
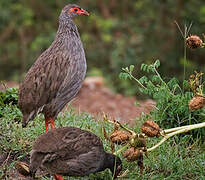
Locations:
(79, 11)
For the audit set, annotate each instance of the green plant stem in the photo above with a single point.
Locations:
(126, 129)
(137, 80)
(160, 77)
(162, 80)
(185, 34)
(180, 130)
(121, 149)
(166, 131)
(123, 127)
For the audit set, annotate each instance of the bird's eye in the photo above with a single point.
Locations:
(75, 9)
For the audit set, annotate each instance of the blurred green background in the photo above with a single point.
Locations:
(116, 34)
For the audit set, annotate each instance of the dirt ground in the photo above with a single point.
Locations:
(96, 99)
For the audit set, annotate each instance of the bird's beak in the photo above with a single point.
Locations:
(83, 12)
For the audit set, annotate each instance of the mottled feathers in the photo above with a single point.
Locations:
(56, 76)
(69, 151)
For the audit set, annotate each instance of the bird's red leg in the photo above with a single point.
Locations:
(58, 177)
(52, 123)
(48, 121)
(46, 125)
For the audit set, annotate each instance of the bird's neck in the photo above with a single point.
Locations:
(67, 27)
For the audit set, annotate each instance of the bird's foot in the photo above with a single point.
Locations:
(58, 177)
(49, 121)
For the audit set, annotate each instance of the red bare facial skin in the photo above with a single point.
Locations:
(79, 11)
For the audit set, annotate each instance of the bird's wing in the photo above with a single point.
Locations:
(80, 141)
(67, 141)
(81, 165)
(45, 78)
(51, 141)
(69, 150)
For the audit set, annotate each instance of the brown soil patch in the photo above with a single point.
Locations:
(96, 99)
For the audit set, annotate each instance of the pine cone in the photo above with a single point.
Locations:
(196, 103)
(151, 129)
(194, 42)
(119, 137)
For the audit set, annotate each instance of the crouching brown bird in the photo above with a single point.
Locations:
(57, 75)
(71, 151)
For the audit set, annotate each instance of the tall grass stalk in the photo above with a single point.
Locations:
(184, 35)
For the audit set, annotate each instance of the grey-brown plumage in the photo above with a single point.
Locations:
(57, 75)
(71, 151)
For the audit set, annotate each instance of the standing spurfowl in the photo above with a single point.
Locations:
(57, 75)
(71, 151)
